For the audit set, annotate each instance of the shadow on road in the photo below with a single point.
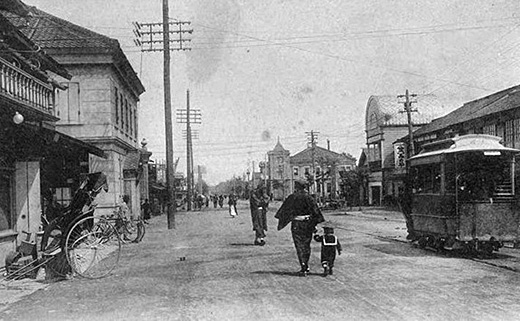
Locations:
(242, 244)
(286, 273)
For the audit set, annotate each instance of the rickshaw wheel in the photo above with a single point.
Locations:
(93, 247)
(130, 231)
(52, 244)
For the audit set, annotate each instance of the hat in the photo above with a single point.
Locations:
(327, 225)
(300, 184)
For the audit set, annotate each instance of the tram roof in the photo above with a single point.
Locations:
(468, 143)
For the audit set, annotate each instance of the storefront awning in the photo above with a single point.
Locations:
(26, 141)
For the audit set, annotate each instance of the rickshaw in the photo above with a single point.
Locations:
(77, 241)
(463, 194)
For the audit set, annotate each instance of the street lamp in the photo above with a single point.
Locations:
(17, 118)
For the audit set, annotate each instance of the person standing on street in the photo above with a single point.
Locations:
(329, 245)
(215, 200)
(258, 203)
(232, 202)
(301, 210)
(146, 211)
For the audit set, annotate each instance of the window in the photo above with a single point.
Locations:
(116, 103)
(135, 123)
(508, 139)
(63, 196)
(126, 117)
(482, 176)
(489, 130)
(68, 102)
(427, 179)
(516, 130)
(295, 171)
(131, 121)
(121, 103)
(307, 171)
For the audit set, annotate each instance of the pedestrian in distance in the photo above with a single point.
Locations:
(221, 200)
(300, 209)
(329, 245)
(125, 209)
(259, 201)
(232, 202)
(146, 208)
(215, 200)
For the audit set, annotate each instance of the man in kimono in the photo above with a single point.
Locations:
(259, 202)
(300, 209)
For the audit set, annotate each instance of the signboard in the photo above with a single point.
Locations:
(400, 155)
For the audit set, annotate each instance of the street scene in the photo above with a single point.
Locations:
(259, 160)
(209, 269)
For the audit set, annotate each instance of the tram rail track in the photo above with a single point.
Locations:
(511, 259)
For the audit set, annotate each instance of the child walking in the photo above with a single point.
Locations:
(329, 245)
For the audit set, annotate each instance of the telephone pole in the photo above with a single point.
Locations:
(189, 116)
(170, 175)
(409, 99)
(152, 38)
(312, 136)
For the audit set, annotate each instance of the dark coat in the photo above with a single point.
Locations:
(298, 203)
(259, 199)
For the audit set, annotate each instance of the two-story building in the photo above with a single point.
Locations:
(36, 159)
(386, 122)
(318, 165)
(100, 103)
(497, 114)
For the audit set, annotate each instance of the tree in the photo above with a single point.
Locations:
(205, 187)
(350, 183)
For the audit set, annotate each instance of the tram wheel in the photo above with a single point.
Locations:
(487, 248)
(423, 241)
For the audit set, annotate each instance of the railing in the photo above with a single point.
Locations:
(24, 88)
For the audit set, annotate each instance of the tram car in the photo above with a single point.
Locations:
(463, 194)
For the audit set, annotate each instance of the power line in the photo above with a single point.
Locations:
(337, 57)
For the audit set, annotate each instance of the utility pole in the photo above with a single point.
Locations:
(312, 136)
(409, 99)
(149, 37)
(253, 177)
(189, 116)
(170, 175)
(407, 195)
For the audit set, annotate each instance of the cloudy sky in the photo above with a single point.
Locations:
(275, 69)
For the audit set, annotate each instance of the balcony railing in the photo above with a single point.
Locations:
(26, 89)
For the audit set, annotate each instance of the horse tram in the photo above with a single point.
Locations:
(463, 195)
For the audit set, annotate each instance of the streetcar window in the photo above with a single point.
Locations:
(482, 177)
(427, 179)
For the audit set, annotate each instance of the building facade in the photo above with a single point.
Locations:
(320, 166)
(386, 122)
(497, 114)
(36, 160)
(99, 104)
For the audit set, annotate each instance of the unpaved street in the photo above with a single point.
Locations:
(209, 269)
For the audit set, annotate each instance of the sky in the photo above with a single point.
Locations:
(263, 71)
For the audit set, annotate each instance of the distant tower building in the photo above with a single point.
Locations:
(279, 172)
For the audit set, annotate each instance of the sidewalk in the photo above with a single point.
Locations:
(12, 291)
